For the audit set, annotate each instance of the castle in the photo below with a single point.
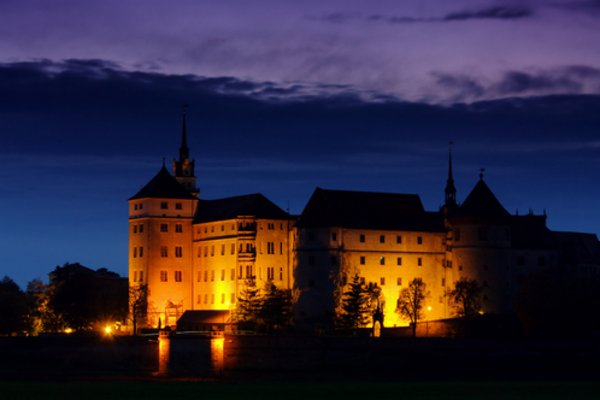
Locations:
(197, 254)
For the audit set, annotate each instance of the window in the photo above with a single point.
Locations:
(443, 282)
(135, 206)
(382, 281)
(362, 260)
(241, 272)
(419, 239)
(460, 267)
(199, 299)
(232, 276)
(399, 281)
(334, 236)
(362, 238)
(205, 251)
(381, 238)
(232, 301)
(223, 249)
(141, 252)
(280, 273)
(135, 276)
(270, 227)
(270, 248)
(232, 248)
(398, 239)
(135, 229)
(249, 271)
(164, 205)
(141, 206)
(212, 250)
(164, 251)
(199, 252)
(141, 228)
(280, 248)
(212, 275)
(178, 251)
(457, 235)
(199, 276)
(205, 276)
(135, 252)
(212, 299)
(270, 273)
(177, 276)
(419, 261)
(163, 276)
(382, 260)
(399, 261)
(205, 299)
(141, 276)
(164, 227)
(222, 228)
(222, 275)
(362, 280)
(178, 206)
(178, 228)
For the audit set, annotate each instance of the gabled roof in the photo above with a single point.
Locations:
(255, 205)
(163, 186)
(482, 203)
(368, 210)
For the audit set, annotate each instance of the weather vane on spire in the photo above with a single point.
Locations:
(481, 171)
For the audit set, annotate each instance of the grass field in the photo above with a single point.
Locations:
(150, 390)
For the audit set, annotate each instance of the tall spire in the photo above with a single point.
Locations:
(184, 152)
(450, 190)
(183, 169)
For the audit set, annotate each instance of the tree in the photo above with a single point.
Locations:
(138, 305)
(466, 297)
(411, 302)
(13, 308)
(249, 305)
(275, 308)
(41, 317)
(354, 308)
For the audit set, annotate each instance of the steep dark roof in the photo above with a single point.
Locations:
(255, 205)
(163, 185)
(368, 210)
(481, 203)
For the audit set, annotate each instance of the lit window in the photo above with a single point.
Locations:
(163, 276)
(178, 251)
(164, 227)
(177, 276)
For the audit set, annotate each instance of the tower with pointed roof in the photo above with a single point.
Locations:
(450, 189)
(183, 168)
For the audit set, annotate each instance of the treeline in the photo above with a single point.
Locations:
(76, 298)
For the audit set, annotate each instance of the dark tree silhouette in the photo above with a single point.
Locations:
(411, 301)
(466, 297)
(355, 306)
(138, 305)
(275, 308)
(248, 306)
(13, 308)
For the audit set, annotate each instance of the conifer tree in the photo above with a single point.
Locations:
(249, 305)
(276, 308)
(354, 310)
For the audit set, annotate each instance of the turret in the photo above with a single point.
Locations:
(183, 169)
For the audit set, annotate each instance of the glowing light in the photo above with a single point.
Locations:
(107, 330)
(481, 312)
(428, 308)
(68, 330)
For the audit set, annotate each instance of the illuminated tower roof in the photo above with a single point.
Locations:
(163, 186)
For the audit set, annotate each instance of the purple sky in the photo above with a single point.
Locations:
(285, 96)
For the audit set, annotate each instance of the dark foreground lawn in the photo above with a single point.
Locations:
(149, 390)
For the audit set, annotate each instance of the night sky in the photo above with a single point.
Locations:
(285, 96)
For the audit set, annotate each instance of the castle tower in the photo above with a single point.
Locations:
(450, 190)
(183, 169)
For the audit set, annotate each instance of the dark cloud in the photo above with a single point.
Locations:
(589, 7)
(497, 12)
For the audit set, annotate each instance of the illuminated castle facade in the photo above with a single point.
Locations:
(197, 254)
